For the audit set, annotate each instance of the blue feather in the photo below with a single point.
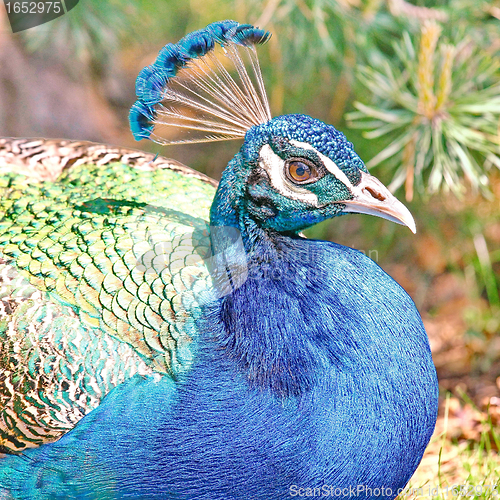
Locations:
(141, 117)
(297, 398)
(153, 79)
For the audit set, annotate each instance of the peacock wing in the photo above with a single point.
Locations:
(102, 268)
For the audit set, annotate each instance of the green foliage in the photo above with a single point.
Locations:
(84, 35)
(432, 102)
(317, 45)
(91, 36)
(438, 107)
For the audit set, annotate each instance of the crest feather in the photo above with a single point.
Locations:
(208, 85)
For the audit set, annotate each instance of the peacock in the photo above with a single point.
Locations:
(165, 336)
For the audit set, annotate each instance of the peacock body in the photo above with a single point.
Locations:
(165, 337)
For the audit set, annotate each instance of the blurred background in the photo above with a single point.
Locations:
(415, 86)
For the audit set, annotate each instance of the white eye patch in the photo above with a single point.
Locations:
(275, 168)
(329, 164)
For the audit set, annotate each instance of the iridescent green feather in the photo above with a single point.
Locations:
(102, 272)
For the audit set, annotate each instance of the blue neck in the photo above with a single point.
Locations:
(228, 207)
(309, 307)
(304, 310)
(231, 209)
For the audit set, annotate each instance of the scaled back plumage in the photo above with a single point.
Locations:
(119, 284)
(177, 341)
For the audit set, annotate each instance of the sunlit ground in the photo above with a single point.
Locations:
(462, 458)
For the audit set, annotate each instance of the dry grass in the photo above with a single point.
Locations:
(462, 459)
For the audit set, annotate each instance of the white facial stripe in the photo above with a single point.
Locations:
(330, 165)
(274, 166)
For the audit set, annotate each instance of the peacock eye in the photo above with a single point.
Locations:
(301, 172)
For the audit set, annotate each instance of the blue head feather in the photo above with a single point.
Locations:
(245, 192)
(323, 137)
(153, 79)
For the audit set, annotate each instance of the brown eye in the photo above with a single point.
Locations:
(298, 171)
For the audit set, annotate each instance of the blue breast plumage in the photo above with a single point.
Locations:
(166, 340)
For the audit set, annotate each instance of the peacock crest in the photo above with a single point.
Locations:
(208, 85)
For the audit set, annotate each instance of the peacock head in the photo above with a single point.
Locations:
(295, 171)
(292, 171)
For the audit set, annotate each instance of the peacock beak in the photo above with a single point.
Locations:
(373, 198)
